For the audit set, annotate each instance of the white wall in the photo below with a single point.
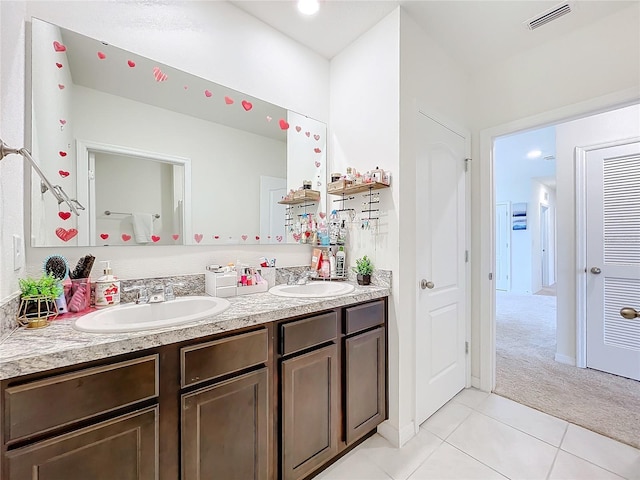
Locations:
(214, 40)
(594, 130)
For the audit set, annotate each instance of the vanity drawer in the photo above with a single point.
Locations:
(42, 405)
(301, 334)
(364, 316)
(206, 361)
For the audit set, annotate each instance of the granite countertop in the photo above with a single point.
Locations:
(29, 351)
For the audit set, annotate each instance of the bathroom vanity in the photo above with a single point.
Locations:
(273, 388)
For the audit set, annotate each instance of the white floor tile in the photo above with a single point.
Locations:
(354, 467)
(470, 397)
(528, 420)
(570, 467)
(449, 463)
(603, 451)
(446, 420)
(399, 463)
(503, 448)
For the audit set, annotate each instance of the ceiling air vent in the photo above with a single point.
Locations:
(548, 16)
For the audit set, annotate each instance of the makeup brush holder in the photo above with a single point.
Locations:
(79, 295)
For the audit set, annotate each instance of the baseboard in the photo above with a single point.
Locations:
(567, 360)
(397, 437)
(475, 382)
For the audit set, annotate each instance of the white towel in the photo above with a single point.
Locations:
(142, 227)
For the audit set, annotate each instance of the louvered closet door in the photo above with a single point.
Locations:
(613, 246)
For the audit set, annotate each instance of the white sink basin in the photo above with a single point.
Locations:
(133, 318)
(313, 290)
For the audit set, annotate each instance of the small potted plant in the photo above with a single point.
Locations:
(38, 300)
(364, 269)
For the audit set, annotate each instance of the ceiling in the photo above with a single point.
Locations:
(474, 33)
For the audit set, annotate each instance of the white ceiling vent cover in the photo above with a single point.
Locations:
(548, 16)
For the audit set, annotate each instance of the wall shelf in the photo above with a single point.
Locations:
(357, 188)
(302, 196)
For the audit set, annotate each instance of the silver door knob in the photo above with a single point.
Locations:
(425, 284)
(629, 313)
(595, 270)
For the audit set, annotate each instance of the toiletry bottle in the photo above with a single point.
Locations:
(107, 288)
(332, 263)
(341, 261)
(326, 267)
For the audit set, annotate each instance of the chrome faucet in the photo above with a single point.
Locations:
(143, 293)
(155, 293)
(169, 293)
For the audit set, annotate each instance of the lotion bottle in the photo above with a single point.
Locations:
(340, 263)
(107, 288)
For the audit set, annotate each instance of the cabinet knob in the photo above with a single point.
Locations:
(426, 284)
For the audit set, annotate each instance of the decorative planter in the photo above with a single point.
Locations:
(364, 279)
(35, 311)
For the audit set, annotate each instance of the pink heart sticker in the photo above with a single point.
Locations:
(101, 55)
(317, 137)
(63, 173)
(283, 124)
(207, 93)
(317, 150)
(61, 86)
(186, 87)
(269, 118)
(159, 75)
(322, 214)
(244, 237)
(318, 164)
(64, 215)
(307, 133)
(131, 63)
(58, 47)
(155, 238)
(228, 100)
(297, 237)
(66, 235)
(247, 105)
(104, 236)
(59, 65)
(279, 238)
(62, 154)
(257, 237)
(175, 236)
(198, 237)
(298, 128)
(216, 237)
(126, 237)
(63, 121)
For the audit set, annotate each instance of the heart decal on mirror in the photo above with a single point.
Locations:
(247, 105)
(207, 94)
(298, 128)
(159, 75)
(104, 236)
(61, 86)
(155, 238)
(126, 237)
(64, 215)
(101, 55)
(316, 137)
(63, 173)
(62, 153)
(297, 237)
(283, 124)
(257, 237)
(307, 134)
(63, 121)
(198, 237)
(66, 235)
(317, 150)
(131, 63)
(228, 100)
(279, 238)
(59, 65)
(318, 164)
(244, 237)
(216, 237)
(59, 47)
(175, 236)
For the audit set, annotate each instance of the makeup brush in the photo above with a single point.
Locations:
(83, 267)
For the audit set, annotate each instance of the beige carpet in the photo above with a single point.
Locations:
(527, 373)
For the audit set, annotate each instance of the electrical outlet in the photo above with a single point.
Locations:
(18, 253)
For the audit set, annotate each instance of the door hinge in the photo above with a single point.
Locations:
(466, 256)
(491, 276)
(466, 347)
(467, 161)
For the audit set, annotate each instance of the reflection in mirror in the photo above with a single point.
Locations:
(137, 138)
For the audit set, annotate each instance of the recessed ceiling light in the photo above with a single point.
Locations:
(308, 7)
(534, 154)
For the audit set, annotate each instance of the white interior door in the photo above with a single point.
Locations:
(544, 244)
(441, 269)
(503, 251)
(272, 214)
(613, 258)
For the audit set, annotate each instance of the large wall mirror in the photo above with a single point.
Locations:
(156, 155)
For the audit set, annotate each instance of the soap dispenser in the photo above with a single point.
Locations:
(107, 288)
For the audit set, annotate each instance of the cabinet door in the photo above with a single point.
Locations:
(365, 383)
(310, 411)
(125, 448)
(225, 432)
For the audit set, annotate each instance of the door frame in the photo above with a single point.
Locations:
(485, 305)
(508, 205)
(545, 243)
(466, 135)
(581, 243)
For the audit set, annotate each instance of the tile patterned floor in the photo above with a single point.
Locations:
(483, 436)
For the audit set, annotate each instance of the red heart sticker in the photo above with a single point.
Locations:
(104, 236)
(247, 105)
(175, 236)
(228, 100)
(322, 214)
(59, 65)
(62, 154)
(63, 173)
(66, 235)
(159, 75)
(283, 124)
(318, 164)
(298, 128)
(244, 237)
(279, 238)
(317, 137)
(155, 238)
(207, 93)
(61, 86)
(257, 237)
(307, 234)
(317, 150)
(307, 133)
(131, 63)
(58, 47)
(216, 237)
(198, 237)
(64, 215)
(63, 121)
(126, 237)
(101, 55)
